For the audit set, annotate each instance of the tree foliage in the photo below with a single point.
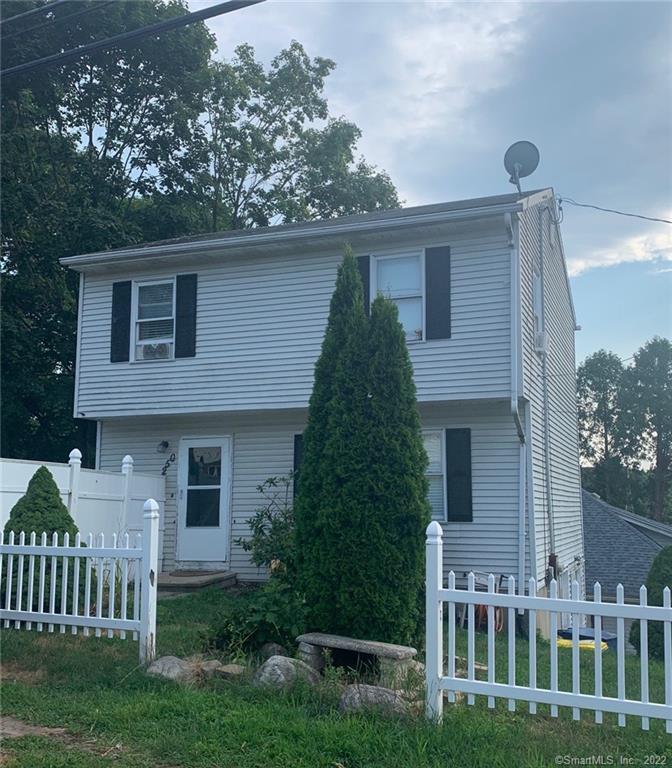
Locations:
(660, 577)
(646, 406)
(362, 503)
(40, 509)
(151, 141)
(598, 382)
(625, 421)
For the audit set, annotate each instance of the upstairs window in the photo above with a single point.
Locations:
(154, 320)
(401, 278)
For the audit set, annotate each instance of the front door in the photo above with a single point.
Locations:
(204, 479)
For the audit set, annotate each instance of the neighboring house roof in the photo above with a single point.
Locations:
(342, 225)
(615, 551)
(661, 533)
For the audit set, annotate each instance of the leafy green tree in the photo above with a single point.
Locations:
(660, 577)
(598, 382)
(263, 158)
(645, 402)
(362, 504)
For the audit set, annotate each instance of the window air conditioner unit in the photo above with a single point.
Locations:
(541, 342)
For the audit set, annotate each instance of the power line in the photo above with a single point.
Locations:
(40, 9)
(569, 200)
(125, 37)
(96, 6)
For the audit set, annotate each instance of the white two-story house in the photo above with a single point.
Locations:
(196, 357)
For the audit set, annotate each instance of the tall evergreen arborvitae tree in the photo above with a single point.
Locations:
(362, 503)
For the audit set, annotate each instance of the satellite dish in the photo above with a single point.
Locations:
(521, 159)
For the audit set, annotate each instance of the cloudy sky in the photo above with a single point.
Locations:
(441, 89)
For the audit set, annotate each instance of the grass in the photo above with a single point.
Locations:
(116, 713)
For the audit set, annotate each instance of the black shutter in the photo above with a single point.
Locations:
(185, 315)
(298, 456)
(365, 274)
(437, 282)
(458, 475)
(120, 334)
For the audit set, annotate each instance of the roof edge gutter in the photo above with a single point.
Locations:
(270, 237)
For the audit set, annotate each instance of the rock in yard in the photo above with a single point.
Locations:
(282, 672)
(172, 668)
(272, 649)
(231, 670)
(209, 668)
(356, 698)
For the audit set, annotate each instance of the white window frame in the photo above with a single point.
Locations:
(373, 280)
(137, 284)
(441, 433)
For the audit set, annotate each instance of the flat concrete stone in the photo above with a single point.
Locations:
(358, 697)
(370, 647)
(183, 581)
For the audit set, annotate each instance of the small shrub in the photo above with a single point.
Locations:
(271, 543)
(660, 576)
(41, 510)
(273, 613)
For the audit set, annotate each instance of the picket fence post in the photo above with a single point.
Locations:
(75, 462)
(434, 622)
(149, 577)
(127, 472)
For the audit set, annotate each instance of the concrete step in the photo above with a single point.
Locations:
(187, 581)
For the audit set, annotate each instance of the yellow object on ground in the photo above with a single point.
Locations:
(584, 645)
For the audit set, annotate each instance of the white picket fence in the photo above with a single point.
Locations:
(117, 593)
(509, 601)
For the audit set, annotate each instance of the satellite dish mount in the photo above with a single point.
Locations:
(521, 160)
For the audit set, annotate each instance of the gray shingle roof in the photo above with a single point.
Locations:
(615, 551)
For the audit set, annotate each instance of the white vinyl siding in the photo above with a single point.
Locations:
(263, 446)
(260, 323)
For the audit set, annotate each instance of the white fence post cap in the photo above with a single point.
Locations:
(128, 459)
(75, 456)
(151, 508)
(434, 530)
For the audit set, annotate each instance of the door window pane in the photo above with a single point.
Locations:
(202, 507)
(410, 317)
(399, 276)
(205, 466)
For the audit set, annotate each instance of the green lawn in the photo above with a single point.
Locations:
(117, 715)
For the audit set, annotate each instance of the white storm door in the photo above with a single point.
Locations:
(204, 484)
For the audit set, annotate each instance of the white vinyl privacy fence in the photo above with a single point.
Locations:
(98, 501)
(93, 587)
(494, 606)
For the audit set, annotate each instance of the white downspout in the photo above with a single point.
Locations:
(512, 227)
(544, 382)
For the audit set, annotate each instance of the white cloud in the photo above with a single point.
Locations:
(654, 246)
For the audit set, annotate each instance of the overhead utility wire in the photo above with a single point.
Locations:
(611, 210)
(40, 9)
(57, 19)
(122, 39)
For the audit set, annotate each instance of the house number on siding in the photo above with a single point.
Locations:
(170, 460)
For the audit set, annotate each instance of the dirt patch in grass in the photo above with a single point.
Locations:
(10, 673)
(11, 728)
